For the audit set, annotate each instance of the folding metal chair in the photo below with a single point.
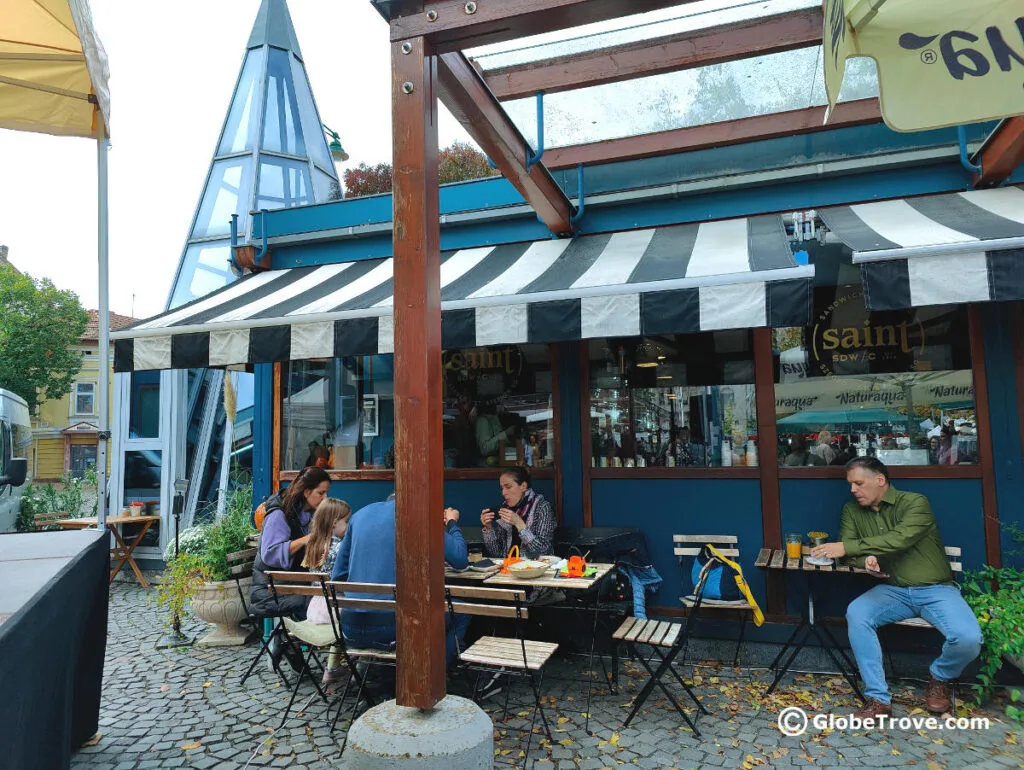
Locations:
(241, 567)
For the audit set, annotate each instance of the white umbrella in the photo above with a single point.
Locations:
(53, 80)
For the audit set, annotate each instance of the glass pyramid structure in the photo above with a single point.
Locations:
(272, 153)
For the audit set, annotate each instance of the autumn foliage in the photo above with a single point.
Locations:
(457, 163)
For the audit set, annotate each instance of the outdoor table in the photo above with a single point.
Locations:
(551, 580)
(469, 574)
(776, 559)
(122, 553)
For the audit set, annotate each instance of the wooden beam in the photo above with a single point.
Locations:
(465, 94)
(779, 124)
(1002, 152)
(989, 501)
(451, 25)
(684, 50)
(767, 438)
(419, 460)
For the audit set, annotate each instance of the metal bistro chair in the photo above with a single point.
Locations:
(492, 655)
(690, 546)
(241, 567)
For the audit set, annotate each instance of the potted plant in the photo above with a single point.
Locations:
(997, 597)
(200, 576)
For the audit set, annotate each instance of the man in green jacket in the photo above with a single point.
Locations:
(894, 535)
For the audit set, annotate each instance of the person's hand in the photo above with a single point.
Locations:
(872, 564)
(450, 514)
(511, 517)
(486, 518)
(829, 551)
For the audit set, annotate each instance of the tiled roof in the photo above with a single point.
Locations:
(92, 329)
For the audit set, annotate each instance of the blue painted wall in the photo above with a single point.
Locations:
(262, 431)
(1000, 329)
(570, 390)
(667, 507)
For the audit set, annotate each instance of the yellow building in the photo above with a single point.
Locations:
(64, 432)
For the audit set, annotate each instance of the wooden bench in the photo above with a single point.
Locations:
(690, 546)
(45, 520)
(660, 635)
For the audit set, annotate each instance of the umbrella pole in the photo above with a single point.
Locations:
(103, 436)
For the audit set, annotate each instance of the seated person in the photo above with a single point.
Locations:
(490, 433)
(895, 532)
(282, 546)
(524, 519)
(799, 455)
(367, 555)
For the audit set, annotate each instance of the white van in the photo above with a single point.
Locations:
(15, 438)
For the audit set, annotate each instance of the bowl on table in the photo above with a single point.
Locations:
(528, 569)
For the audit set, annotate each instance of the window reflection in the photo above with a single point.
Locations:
(673, 401)
(281, 129)
(283, 183)
(895, 385)
(226, 194)
(240, 126)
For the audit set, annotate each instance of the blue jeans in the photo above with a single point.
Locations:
(383, 637)
(942, 606)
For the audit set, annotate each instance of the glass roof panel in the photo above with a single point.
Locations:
(282, 129)
(312, 130)
(242, 123)
(226, 193)
(630, 29)
(204, 268)
(283, 183)
(325, 187)
(758, 86)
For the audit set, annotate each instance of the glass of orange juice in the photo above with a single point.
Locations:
(794, 545)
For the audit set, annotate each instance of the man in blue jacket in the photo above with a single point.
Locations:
(367, 555)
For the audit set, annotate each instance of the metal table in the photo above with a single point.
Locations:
(776, 559)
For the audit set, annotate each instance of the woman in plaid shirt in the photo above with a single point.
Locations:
(525, 519)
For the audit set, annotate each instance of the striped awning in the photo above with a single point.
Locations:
(670, 280)
(936, 249)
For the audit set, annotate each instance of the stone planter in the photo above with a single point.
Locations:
(1017, 661)
(218, 603)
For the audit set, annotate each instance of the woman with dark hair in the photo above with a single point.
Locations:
(525, 518)
(283, 541)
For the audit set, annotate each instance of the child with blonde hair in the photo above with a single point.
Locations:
(325, 535)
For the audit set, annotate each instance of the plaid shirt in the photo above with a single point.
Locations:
(536, 538)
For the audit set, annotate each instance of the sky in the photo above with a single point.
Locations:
(171, 80)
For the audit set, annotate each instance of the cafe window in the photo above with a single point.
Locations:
(339, 413)
(673, 401)
(896, 385)
(498, 407)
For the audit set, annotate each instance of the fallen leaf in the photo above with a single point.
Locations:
(566, 741)
(190, 746)
(207, 684)
(614, 739)
(94, 740)
(165, 687)
(563, 720)
(895, 753)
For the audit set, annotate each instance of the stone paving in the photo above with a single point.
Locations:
(185, 709)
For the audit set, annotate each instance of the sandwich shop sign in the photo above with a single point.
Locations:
(940, 62)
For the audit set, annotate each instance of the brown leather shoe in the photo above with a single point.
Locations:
(872, 709)
(936, 696)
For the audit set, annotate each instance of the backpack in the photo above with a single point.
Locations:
(719, 581)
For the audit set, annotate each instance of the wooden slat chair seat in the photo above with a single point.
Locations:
(44, 520)
(502, 656)
(660, 635)
(687, 547)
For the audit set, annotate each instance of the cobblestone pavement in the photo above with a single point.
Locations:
(186, 709)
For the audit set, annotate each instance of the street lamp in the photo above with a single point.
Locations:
(337, 151)
(176, 638)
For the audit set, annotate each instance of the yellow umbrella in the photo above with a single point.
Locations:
(53, 80)
(53, 69)
(940, 62)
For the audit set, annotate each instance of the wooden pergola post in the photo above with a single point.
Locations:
(419, 458)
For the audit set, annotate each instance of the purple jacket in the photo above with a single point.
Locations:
(276, 537)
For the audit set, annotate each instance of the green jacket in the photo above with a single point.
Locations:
(903, 536)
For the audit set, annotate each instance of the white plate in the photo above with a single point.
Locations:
(818, 562)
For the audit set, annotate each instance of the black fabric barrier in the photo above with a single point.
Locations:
(52, 646)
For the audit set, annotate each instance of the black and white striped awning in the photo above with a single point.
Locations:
(937, 249)
(671, 280)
